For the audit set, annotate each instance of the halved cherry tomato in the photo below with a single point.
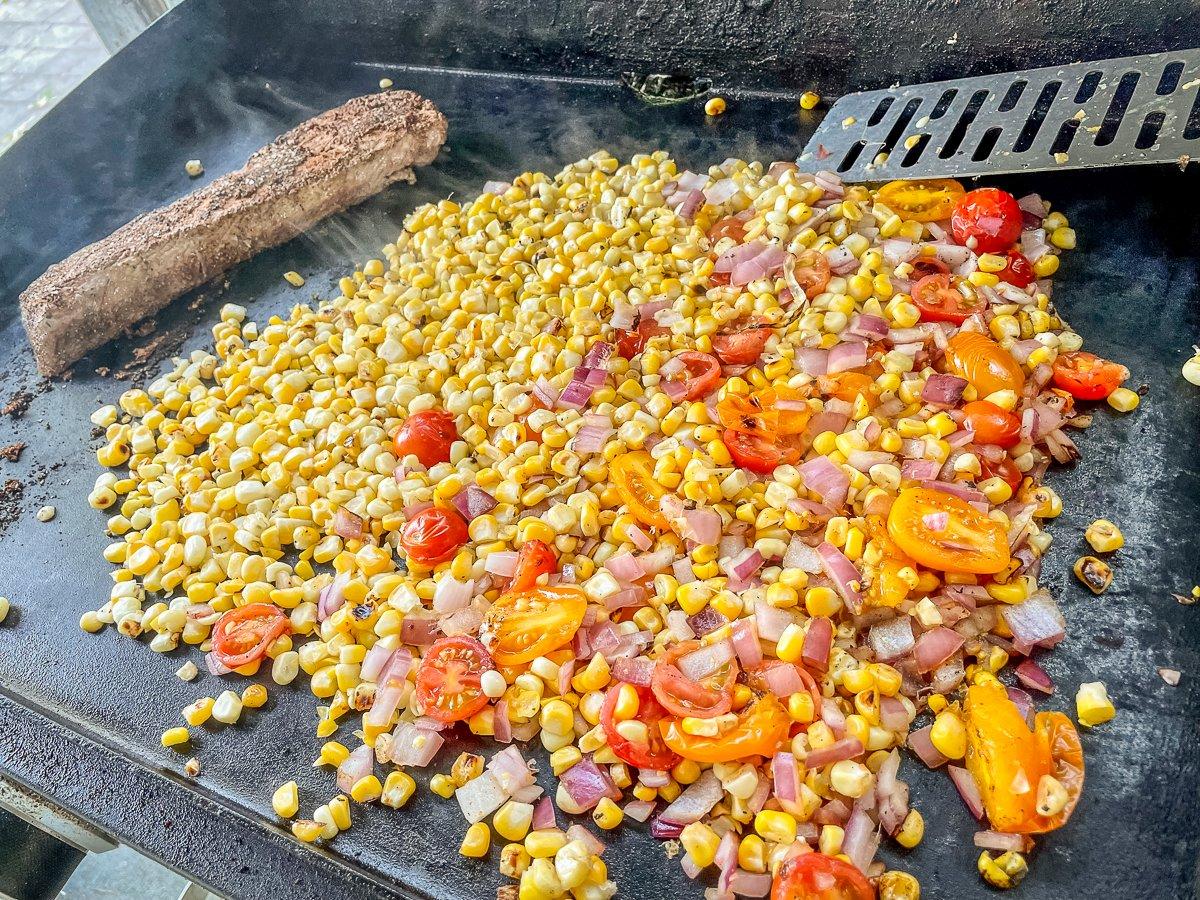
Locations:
(1005, 469)
(815, 876)
(984, 363)
(633, 476)
(448, 678)
(992, 424)
(757, 679)
(1019, 271)
(729, 227)
(244, 633)
(681, 696)
(931, 200)
(944, 532)
(849, 386)
(534, 558)
(701, 372)
(941, 298)
(753, 452)
(923, 266)
(1087, 376)
(433, 535)
(756, 414)
(427, 435)
(631, 343)
(792, 405)
(523, 625)
(743, 345)
(761, 728)
(811, 272)
(1007, 760)
(988, 220)
(654, 754)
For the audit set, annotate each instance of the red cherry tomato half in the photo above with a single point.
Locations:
(433, 535)
(1086, 376)
(743, 346)
(448, 681)
(1005, 469)
(1019, 271)
(427, 435)
(923, 266)
(655, 754)
(988, 220)
(815, 876)
(704, 699)
(752, 452)
(535, 558)
(631, 343)
(243, 634)
(940, 298)
(992, 424)
(701, 372)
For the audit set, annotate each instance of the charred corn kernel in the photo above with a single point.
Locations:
(397, 789)
(512, 820)
(467, 767)
(173, 737)
(1095, 573)
(254, 696)
(366, 790)
(1092, 705)
(912, 830)
(198, 712)
(896, 885)
(700, 842)
(307, 830)
(286, 800)
(442, 785)
(1049, 504)
(477, 841)
(1005, 871)
(1104, 536)
(1052, 797)
(775, 826)
(607, 814)
(545, 842)
(564, 758)
(715, 106)
(1124, 400)
(514, 860)
(949, 735)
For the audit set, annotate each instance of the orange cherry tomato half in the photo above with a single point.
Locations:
(448, 679)
(743, 345)
(1086, 376)
(984, 363)
(931, 200)
(753, 452)
(427, 435)
(433, 535)
(1005, 469)
(923, 266)
(992, 424)
(756, 414)
(701, 372)
(1019, 271)
(944, 532)
(681, 696)
(761, 728)
(988, 220)
(816, 876)
(633, 476)
(849, 386)
(811, 272)
(940, 298)
(523, 625)
(729, 227)
(1007, 760)
(654, 754)
(535, 558)
(244, 633)
(792, 405)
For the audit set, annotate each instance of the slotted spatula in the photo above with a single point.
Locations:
(1139, 109)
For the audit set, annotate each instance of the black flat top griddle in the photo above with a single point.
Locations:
(80, 716)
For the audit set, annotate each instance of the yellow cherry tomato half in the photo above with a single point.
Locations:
(761, 728)
(944, 532)
(984, 363)
(633, 476)
(930, 200)
(523, 625)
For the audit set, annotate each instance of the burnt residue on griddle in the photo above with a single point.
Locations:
(17, 405)
(11, 493)
(12, 452)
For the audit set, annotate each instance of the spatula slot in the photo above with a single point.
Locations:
(1087, 87)
(915, 151)
(987, 144)
(906, 115)
(1151, 126)
(851, 156)
(943, 104)
(880, 111)
(964, 122)
(1170, 79)
(1066, 134)
(1116, 109)
(1036, 117)
(1013, 95)
(1192, 129)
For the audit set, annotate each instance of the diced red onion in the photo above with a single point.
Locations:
(1036, 622)
(869, 326)
(891, 794)
(745, 564)
(967, 789)
(374, 661)
(624, 567)
(936, 646)
(587, 784)
(833, 812)
(418, 632)
(655, 562)
(704, 662)
(920, 743)
(768, 261)
(543, 815)
(1000, 841)
(501, 724)
(818, 642)
(783, 679)
(412, 746)
(860, 840)
(812, 361)
(958, 490)
(1034, 205)
(945, 390)
(864, 459)
(593, 434)
(333, 596)
(750, 884)
(473, 501)
(347, 524)
(501, 562)
(892, 640)
(639, 810)
(578, 833)
(545, 393)
(846, 577)
(702, 526)
(823, 477)
(1023, 702)
(355, 767)
(637, 670)
(1034, 677)
(892, 714)
(919, 469)
(575, 395)
(1033, 243)
(696, 801)
(735, 256)
(639, 538)
(847, 355)
(745, 643)
(771, 621)
(841, 260)
(705, 621)
(846, 748)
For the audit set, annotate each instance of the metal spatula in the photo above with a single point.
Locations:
(1140, 109)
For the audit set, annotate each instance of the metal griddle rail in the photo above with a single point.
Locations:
(217, 78)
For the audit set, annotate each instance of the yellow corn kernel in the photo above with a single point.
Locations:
(715, 106)
(477, 841)
(254, 696)
(512, 820)
(607, 814)
(173, 737)
(544, 843)
(563, 758)
(700, 842)
(996, 489)
(1124, 400)
(514, 860)
(791, 643)
(199, 712)
(307, 830)
(1092, 704)
(830, 840)
(366, 789)
(442, 785)
(752, 854)
(801, 707)
(809, 100)
(912, 830)
(822, 601)
(397, 789)
(949, 735)
(1095, 573)
(286, 800)
(332, 754)
(1104, 536)
(897, 885)
(1015, 591)
(1046, 266)
(627, 703)
(775, 826)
